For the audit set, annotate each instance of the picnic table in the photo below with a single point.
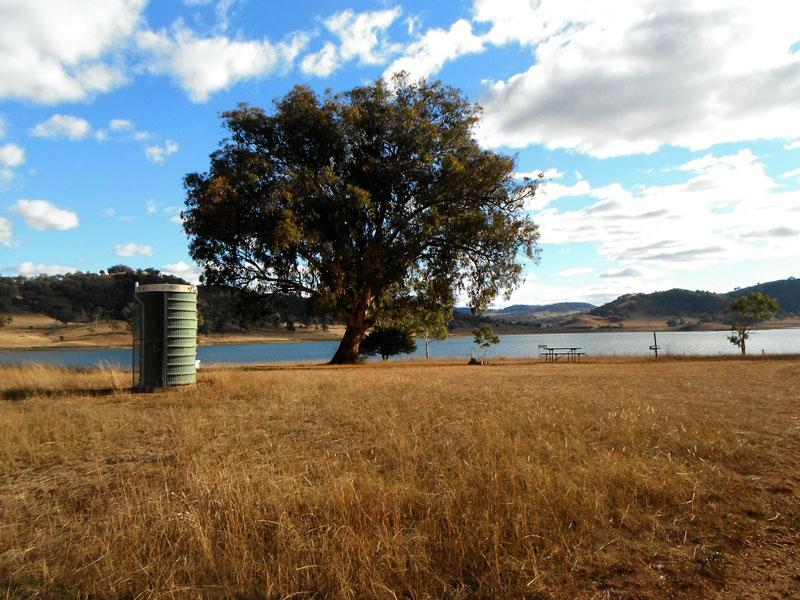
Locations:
(554, 354)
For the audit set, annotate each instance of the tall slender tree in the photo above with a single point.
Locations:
(359, 198)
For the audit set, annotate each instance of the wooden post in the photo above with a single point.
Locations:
(655, 345)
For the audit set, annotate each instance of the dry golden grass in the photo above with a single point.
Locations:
(608, 479)
(28, 330)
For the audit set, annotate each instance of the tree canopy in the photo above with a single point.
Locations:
(359, 199)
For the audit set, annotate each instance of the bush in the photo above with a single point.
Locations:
(388, 341)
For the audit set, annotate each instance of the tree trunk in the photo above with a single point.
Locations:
(743, 350)
(357, 324)
(347, 352)
(427, 345)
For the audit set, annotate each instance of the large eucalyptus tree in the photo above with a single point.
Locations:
(358, 199)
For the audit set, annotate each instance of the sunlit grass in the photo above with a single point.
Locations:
(383, 481)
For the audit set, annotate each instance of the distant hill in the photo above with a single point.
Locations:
(558, 307)
(785, 291)
(672, 303)
(697, 304)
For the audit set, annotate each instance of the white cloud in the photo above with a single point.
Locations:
(29, 269)
(151, 207)
(157, 154)
(11, 155)
(629, 272)
(63, 51)
(109, 213)
(321, 63)
(5, 232)
(183, 270)
(62, 126)
(360, 36)
(728, 209)
(793, 145)
(3, 127)
(631, 76)
(550, 191)
(142, 136)
(426, 56)
(120, 125)
(788, 175)
(171, 210)
(42, 215)
(205, 65)
(575, 272)
(132, 249)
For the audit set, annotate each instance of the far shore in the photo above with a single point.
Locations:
(39, 332)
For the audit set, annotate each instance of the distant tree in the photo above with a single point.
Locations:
(66, 315)
(128, 312)
(746, 313)
(485, 338)
(5, 320)
(355, 198)
(388, 341)
(290, 323)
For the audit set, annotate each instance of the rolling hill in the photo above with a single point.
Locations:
(698, 304)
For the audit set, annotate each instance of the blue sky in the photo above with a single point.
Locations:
(669, 131)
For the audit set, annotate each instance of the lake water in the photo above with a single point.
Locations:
(707, 343)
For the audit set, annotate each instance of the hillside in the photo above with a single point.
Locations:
(671, 303)
(785, 291)
(558, 307)
(697, 304)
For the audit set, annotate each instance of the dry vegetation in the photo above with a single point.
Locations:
(30, 331)
(608, 479)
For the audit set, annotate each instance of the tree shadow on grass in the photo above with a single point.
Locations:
(19, 394)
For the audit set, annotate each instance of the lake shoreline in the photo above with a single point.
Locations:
(305, 337)
(458, 348)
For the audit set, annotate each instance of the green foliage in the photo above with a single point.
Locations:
(388, 341)
(360, 199)
(8, 292)
(746, 313)
(79, 297)
(485, 337)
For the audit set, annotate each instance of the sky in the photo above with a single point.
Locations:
(668, 131)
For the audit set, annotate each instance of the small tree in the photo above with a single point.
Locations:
(485, 338)
(388, 341)
(746, 313)
(432, 325)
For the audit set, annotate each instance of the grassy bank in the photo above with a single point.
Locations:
(608, 479)
(29, 331)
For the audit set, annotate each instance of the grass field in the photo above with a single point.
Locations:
(607, 479)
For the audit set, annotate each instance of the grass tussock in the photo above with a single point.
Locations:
(620, 479)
